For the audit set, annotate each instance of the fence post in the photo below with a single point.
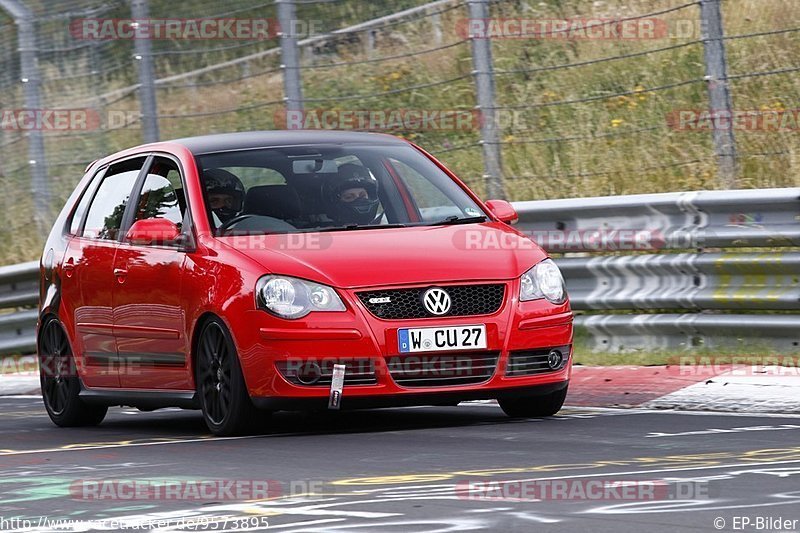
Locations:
(31, 81)
(99, 101)
(719, 94)
(290, 56)
(148, 103)
(483, 70)
(369, 43)
(436, 26)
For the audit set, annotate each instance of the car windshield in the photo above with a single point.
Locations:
(329, 188)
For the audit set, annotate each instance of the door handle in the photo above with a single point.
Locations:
(120, 274)
(69, 268)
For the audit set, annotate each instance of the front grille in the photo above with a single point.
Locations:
(431, 370)
(319, 373)
(532, 362)
(467, 300)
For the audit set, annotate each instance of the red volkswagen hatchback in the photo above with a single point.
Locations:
(253, 272)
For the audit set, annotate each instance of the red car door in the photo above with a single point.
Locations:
(149, 323)
(88, 278)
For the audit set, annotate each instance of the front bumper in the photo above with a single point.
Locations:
(440, 397)
(264, 342)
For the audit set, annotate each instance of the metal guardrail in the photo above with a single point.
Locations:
(688, 220)
(646, 267)
(695, 282)
(754, 334)
(663, 280)
(19, 288)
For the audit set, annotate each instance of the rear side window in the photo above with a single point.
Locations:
(108, 206)
(77, 216)
(162, 194)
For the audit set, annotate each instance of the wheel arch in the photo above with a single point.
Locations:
(45, 319)
(199, 324)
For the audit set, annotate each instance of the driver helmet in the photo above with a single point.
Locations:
(352, 195)
(225, 193)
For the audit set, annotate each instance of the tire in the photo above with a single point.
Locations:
(224, 400)
(60, 383)
(534, 406)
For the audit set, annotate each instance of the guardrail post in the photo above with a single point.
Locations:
(31, 81)
(485, 93)
(290, 56)
(143, 47)
(719, 94)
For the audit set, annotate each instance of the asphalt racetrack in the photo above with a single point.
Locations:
(434, 469)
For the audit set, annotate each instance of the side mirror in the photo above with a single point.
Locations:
(153, 231)
(503, 210)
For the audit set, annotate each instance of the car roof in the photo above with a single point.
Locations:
(263, 139)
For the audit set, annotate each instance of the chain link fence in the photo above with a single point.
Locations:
(524, 99)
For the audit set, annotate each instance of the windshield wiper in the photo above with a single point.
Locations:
(349, 227)
(455, 219)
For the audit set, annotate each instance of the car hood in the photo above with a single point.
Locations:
(395, 256)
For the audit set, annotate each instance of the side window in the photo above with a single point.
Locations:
(432, 202)
(162, 194)
(83, 204)
(108, 206)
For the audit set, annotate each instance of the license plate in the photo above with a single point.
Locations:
(439, 339)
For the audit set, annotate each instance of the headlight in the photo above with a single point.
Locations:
(295, 298)
(543, 281)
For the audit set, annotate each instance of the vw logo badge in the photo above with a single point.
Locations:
(436, 301)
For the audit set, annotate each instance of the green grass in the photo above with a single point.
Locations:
(700, 357)
(752, 352)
